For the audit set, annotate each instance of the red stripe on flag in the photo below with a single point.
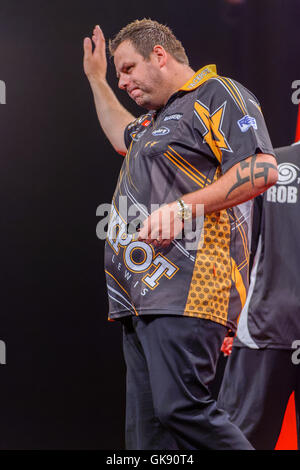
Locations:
(298, 126)
(288, 435)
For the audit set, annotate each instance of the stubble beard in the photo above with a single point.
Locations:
(149, 98)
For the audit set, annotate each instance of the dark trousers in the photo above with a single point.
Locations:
(256, 387)
(170, 363)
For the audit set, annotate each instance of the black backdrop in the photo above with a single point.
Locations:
(62, 386)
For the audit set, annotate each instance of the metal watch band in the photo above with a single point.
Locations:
(184, 212)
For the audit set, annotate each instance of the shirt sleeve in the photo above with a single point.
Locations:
(228, 118)
(135, 129)
(129, 132)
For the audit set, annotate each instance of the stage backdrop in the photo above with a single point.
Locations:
(62, 374)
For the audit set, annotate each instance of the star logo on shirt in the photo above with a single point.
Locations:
(212, 123)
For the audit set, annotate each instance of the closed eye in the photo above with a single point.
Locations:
(127, 68)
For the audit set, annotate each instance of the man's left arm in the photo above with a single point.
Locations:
(242, 149)
(243, 181)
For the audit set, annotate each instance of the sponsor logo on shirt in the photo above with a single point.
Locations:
(287, 173)
(199, 77)
(144, 120)
(285, 190)
(173, 117)
(137, 135)
(161, 131)
(246, 122)
(137, 257)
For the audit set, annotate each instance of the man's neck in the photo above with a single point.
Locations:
(180, 75)
(184, 76)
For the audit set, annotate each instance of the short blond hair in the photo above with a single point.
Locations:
(145, 34)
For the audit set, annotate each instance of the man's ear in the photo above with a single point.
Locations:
(160, 55)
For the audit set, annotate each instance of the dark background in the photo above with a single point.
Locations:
(63, 384)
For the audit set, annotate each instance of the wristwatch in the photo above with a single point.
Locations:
(184, 211)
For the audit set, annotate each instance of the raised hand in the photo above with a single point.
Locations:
(95, 62)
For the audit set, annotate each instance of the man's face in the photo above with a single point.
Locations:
(141, 78)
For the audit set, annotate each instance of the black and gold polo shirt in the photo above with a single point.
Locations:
(205, 128)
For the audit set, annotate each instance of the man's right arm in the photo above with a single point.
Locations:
(113, 117)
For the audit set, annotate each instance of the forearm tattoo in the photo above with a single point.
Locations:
(254, 173)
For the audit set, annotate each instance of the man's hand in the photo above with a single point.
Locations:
(95, 63)
(113, 117)
(162, 226)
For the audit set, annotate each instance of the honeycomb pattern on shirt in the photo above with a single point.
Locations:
(211, 282)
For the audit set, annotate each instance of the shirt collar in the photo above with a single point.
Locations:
(203, 74)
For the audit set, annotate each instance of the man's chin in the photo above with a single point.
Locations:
(145, 103)
(140, 101)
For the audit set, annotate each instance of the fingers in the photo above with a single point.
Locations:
(87, 47)
(95, 36)
(98, 38)
(152, 232)
(154, 240)
(162, 244)
(145, 235)
(165, 243)
(98, 32)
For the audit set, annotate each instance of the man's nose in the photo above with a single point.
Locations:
(123, 82)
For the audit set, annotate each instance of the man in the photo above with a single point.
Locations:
(202, 142)
(263, 368)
